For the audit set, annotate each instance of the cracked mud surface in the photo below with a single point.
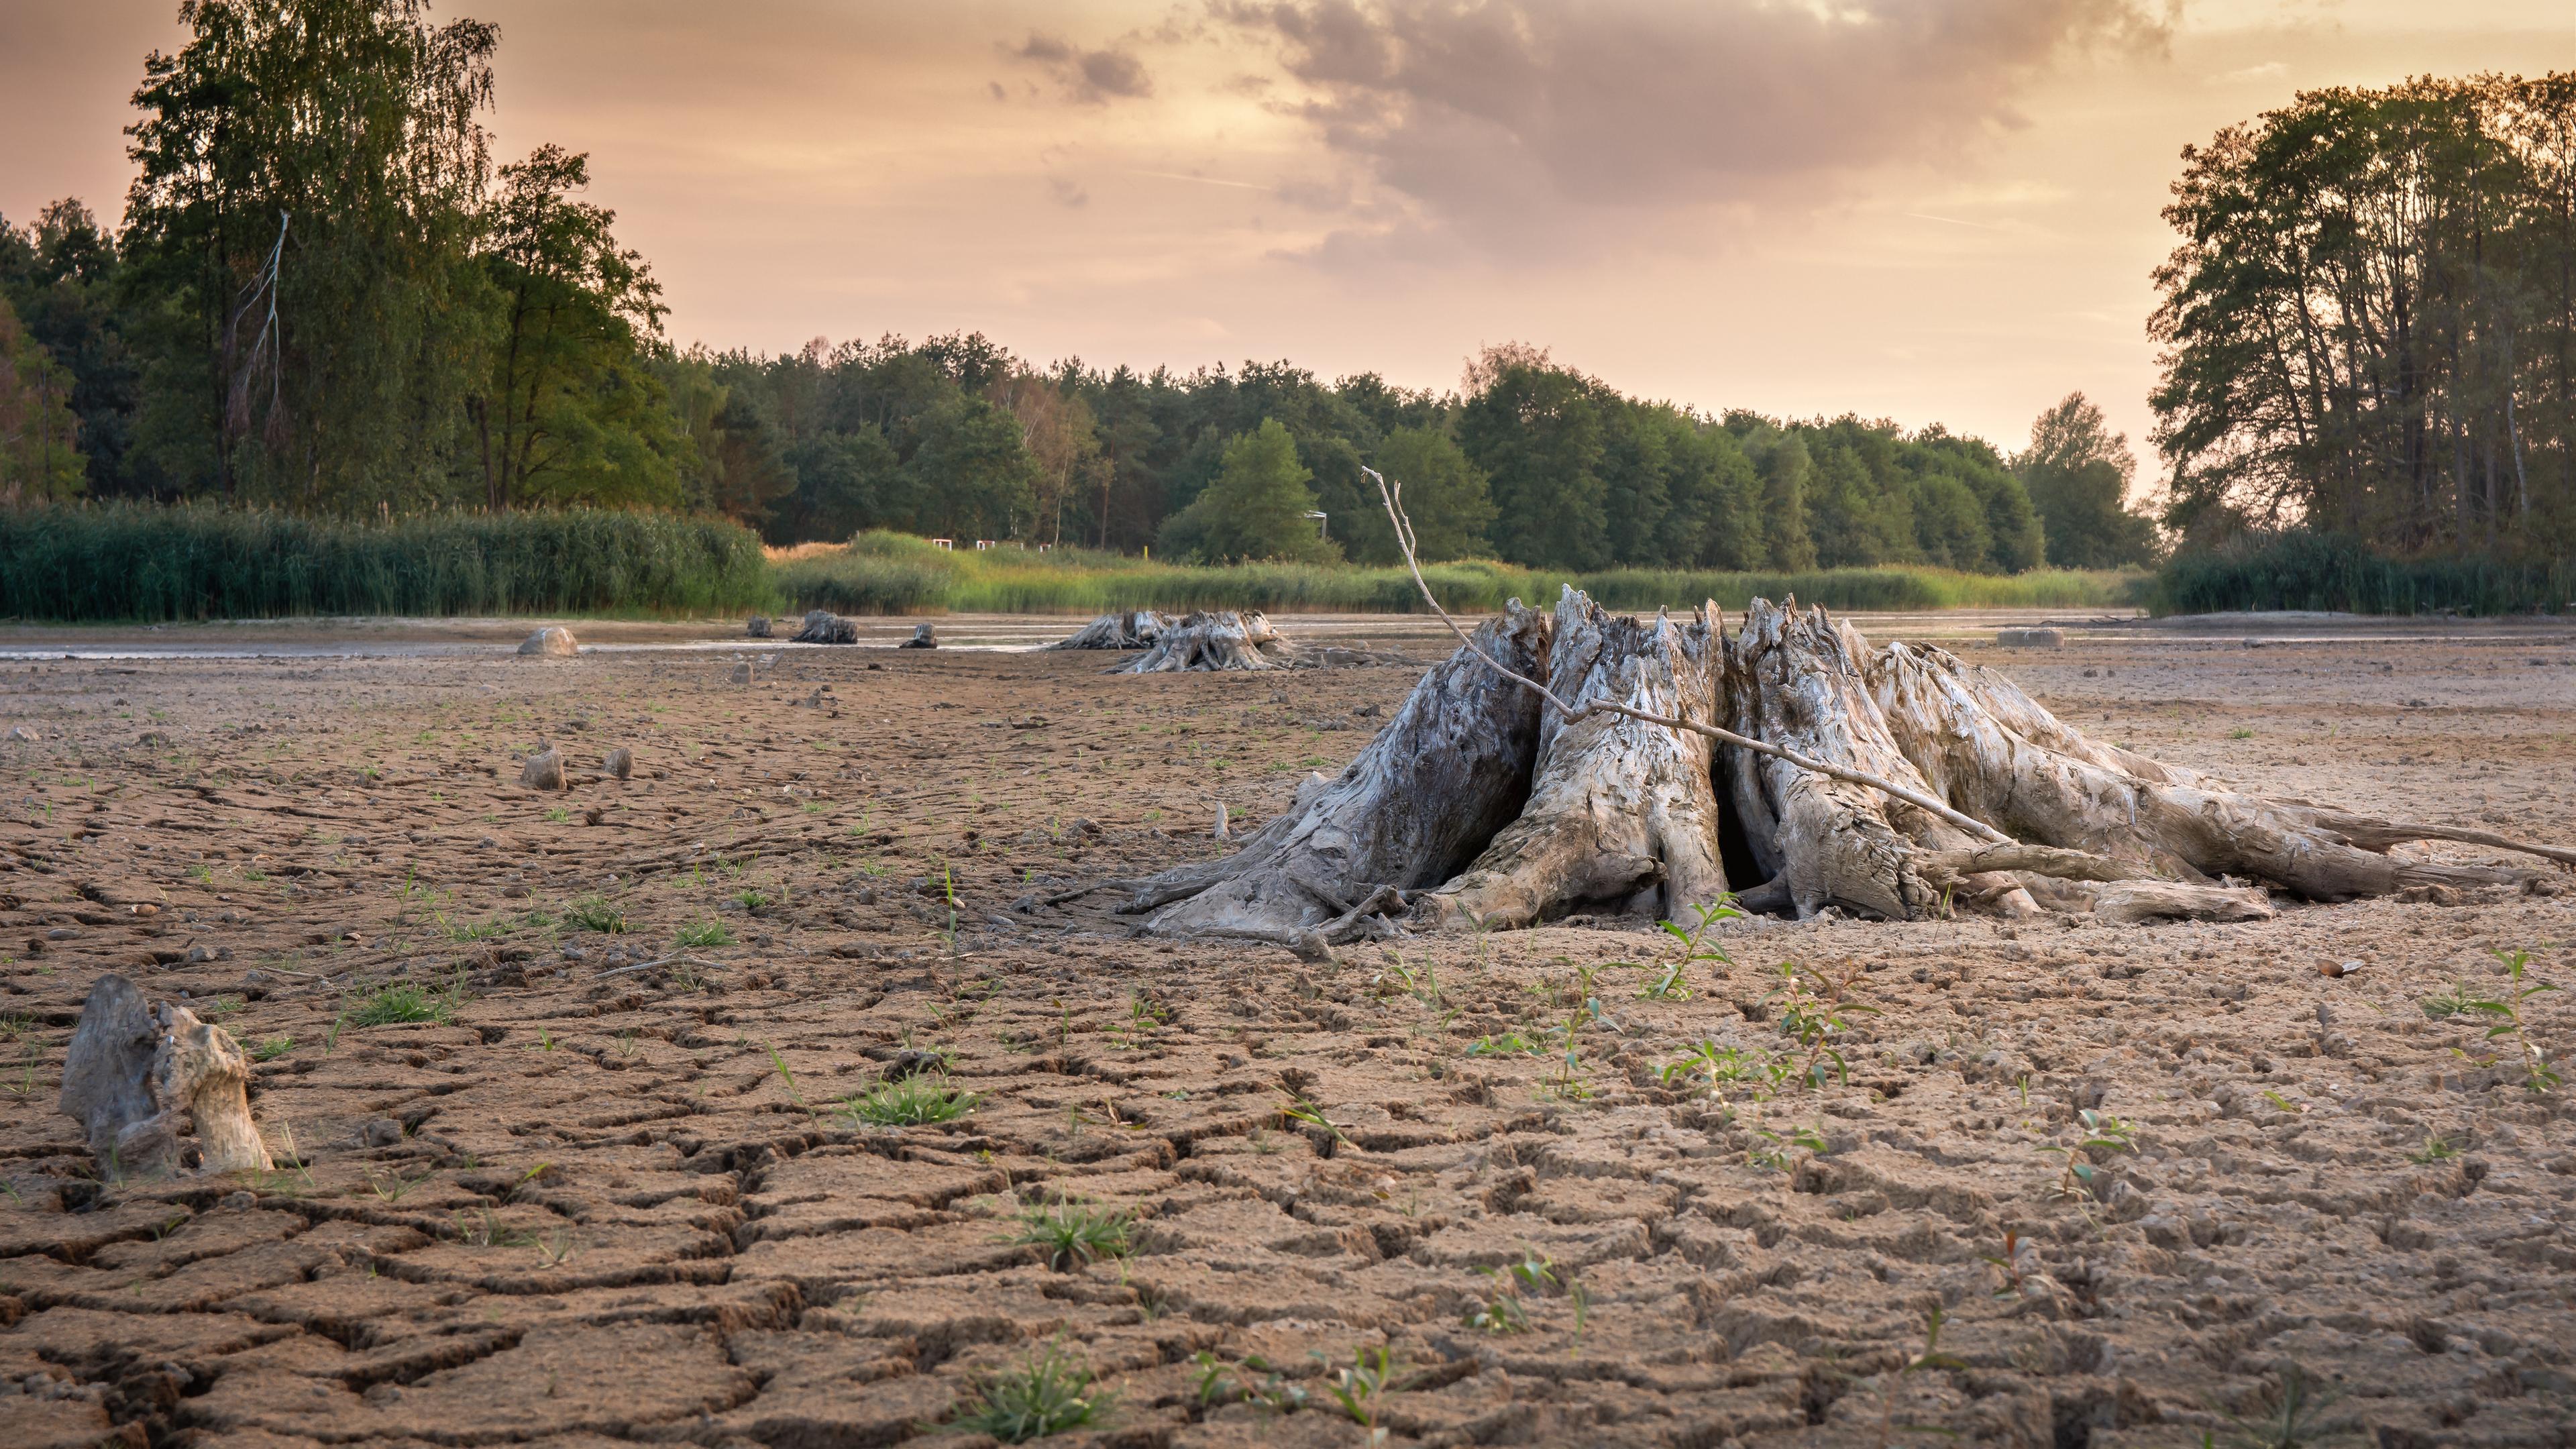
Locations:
(587, 1207)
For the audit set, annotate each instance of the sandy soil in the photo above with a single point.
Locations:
(588, 1203)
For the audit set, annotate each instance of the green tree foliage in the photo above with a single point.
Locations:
(39, 446)
(1536, 431)
(60, 276)
(971, 473)
(1444, 496)
(569, 413)
(2369, 325)
(1255, 508)
(311, 174)
(2077, 473)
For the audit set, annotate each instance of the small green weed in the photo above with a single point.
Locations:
(1073, 1235)
(700, 935)
(1045, 1393)
(595, 913)
(1359, 1388)
(909, 1102)
(392, 1004)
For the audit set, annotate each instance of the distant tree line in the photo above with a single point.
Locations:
(326, 296)
(2369, 326)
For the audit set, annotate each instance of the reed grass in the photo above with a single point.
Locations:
(880, 573)
(2337, 573)
(154, 563)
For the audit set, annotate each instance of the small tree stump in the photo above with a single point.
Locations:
(822, 626)
(552, 642)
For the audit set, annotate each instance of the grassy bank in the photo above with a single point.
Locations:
(134, 562)
(153, 564)
(894, 574)
(2326, 571)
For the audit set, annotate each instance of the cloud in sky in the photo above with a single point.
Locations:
(1090, 77)
(1491, 118)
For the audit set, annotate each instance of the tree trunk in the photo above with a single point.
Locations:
(1448, 771)
(1621, 813)
(1797, 680)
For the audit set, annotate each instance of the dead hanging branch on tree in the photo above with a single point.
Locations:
(1390, 492)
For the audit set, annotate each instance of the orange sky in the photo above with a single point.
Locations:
(1930, 210)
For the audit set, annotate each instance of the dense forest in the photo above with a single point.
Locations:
(327, 296)
(2370, 323)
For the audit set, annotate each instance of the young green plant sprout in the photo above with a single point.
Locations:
(1776, 1157)
(2538, 1075)
(1929, 1359)
(1691, 945)
(1714, 1066)
(1505, 1312)
(1815, 1019)
(2436, 1148)
(1306, 1113)
(1359, 1388)
(2102, 1133)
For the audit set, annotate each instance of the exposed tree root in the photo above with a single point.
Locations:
(1447, 772)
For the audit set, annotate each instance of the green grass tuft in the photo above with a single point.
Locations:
(393, 1004)
(910, 1102)
(1070, 1235)
(1045, 1393)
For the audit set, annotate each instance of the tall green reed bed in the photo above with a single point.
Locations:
(156, 563)
(2301, 570)
(880, 573)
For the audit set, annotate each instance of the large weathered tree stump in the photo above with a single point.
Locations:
(1896, 782)
(1219, 641)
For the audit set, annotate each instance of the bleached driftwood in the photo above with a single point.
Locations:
(133, 1075)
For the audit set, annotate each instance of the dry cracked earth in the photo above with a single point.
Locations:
(635, 1169)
